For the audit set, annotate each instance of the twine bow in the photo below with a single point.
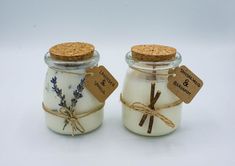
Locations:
(151, 110)
(72, 117)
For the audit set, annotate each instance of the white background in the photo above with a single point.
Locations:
(203, 31)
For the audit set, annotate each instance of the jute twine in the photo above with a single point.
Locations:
(72, 117)
(140, 107)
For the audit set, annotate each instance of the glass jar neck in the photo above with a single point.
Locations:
(71, 65)
(149, 67)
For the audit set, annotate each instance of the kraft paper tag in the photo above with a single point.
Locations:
(185, 84)
(100, 83)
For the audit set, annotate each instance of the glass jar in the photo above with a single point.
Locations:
(144, 81)
(69, 107)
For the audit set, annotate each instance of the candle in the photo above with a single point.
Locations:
(69, 107)
(145, 89)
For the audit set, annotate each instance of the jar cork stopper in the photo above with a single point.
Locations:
(72, 51)
(153, 52)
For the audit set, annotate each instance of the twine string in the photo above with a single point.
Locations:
(140, 107)
(71, 117)
(170, 73)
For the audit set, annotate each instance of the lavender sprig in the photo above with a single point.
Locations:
(58, 92)
(77, 93)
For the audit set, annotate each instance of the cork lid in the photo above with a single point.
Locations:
(153, 52)
(72, 51)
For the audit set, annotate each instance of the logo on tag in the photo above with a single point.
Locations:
(100, 83)
(184, 84)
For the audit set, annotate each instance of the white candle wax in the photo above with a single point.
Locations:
(137, 88)
(68, 83)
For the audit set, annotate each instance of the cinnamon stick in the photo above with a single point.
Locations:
(144, 117)
(153, 100)
(151, 120)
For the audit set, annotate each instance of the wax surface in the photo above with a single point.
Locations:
(68, 83)
(137, 88)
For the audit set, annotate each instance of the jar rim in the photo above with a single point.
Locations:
(148, 65)
(72, 65)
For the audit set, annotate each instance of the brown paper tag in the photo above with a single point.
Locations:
(185, 84)
(101, 83)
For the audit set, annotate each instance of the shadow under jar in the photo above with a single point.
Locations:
(69, 107)
(149, 107)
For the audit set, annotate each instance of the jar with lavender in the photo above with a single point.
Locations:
(69, 107)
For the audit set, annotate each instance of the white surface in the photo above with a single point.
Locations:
(203, 31)
(136, 88)
(84, 104)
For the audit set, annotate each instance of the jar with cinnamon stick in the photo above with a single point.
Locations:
(69, 107)
(149, 107)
